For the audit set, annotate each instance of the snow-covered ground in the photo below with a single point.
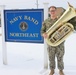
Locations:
(27, 58)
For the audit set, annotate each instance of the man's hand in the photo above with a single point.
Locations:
(45, 35)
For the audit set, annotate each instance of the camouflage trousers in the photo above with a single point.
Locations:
(58, 52)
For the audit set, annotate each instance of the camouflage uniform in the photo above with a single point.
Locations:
(52, 51)
(57, 51)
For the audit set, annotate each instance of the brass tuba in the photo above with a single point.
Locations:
(61, 29)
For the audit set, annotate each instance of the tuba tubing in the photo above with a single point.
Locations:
(53, 33)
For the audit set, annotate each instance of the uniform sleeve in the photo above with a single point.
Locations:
(43, 28)
(73, 22)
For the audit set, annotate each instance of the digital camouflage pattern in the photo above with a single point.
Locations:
(53, 51)
(59, 50)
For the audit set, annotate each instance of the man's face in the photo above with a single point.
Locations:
(52, 11)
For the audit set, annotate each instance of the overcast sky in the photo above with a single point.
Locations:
(28, 4)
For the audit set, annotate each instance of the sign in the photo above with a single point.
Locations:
(23, 25)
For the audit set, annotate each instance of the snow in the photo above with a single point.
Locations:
(28, 58)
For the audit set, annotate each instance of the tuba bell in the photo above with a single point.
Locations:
(61, 29)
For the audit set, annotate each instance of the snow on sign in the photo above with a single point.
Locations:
(23, 25)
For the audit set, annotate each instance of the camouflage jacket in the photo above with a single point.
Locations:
(49, 22)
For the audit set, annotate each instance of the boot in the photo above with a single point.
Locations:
(61, 72)
(52, 72)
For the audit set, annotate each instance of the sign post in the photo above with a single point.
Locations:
(45, 69)
(45, 45)
(4, 49)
